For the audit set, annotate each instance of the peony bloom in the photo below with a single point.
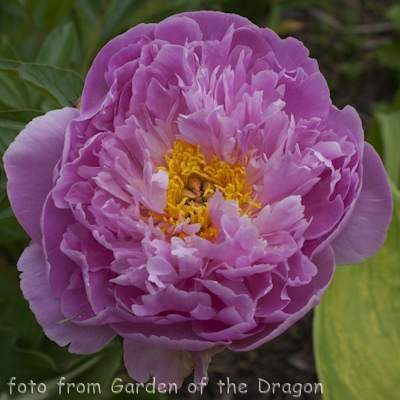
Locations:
(199, 199)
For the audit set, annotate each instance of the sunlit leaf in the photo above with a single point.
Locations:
(389, 127)
(357, 327)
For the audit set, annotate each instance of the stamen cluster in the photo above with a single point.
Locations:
(192, 183)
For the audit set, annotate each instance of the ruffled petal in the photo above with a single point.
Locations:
(96, 86)
(304, 298)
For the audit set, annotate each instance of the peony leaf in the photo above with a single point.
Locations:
(10, 229)
(99, 369)
(101, 372)
(357, 327)
(58, 47)
(13, 92)
(59, 85)
(7, 51)
(14, 309)
(25, 363)
(16, 120)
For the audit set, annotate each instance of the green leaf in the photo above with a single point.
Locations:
(357, 327)
(394, 14)
(7, 136)
(17, 119)
(60, 85)
(14, 309)
(389, 127)
(12, 92)
(51, 12)
(7, 51)
(25, 364)
(389, 54)
(374, 137)
(99, 369)
(58, 47)
(102, 372)
(10, 229)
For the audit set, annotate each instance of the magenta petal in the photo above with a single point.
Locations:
(47, 308)
(177, 30)
(310, 99)
(167, 366)
(214, 25)
(365, 232)
(29, 163)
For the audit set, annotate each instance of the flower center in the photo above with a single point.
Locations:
(192, 183)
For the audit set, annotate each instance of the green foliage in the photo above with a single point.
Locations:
(63, 87)
(58, 47)
(389, 125)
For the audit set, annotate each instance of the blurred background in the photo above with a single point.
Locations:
(357, 45)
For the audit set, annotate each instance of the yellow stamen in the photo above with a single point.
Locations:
(192, 182)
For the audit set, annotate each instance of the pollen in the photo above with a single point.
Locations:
(192, 183)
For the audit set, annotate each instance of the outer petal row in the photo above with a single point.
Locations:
(29, 163)
(365, 232)
(47, 308)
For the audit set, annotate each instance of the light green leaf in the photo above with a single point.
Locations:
(389, 127)
(60, 85)
(357, 327)
(58, 47)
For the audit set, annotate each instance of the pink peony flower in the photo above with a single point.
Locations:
(198, 200)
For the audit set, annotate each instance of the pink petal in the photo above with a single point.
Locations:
(366, 230)
(166, 366)
(29, 163)
(47, 308)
